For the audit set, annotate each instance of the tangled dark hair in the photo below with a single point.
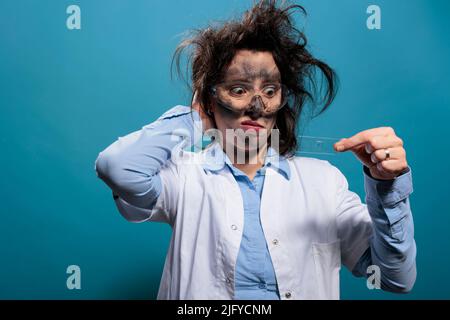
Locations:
(265, 27)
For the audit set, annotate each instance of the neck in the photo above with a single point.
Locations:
(253, 161)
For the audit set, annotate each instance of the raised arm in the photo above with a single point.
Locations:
(132, 165)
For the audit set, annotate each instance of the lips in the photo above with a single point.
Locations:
(249, 123)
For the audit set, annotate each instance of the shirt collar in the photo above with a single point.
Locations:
(215, 159)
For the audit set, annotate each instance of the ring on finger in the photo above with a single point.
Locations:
(387, 154)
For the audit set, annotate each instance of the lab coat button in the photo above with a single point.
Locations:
(275, 241)
(287, 295)
(234, 227)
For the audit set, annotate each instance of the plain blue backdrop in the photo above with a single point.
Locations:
(67, 94)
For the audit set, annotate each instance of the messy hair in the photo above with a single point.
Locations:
(267, 26)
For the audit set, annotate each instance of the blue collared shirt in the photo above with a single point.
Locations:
(255, 275)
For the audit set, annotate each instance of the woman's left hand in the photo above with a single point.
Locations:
(380, 149)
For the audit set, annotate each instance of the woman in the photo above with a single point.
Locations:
(250, 219)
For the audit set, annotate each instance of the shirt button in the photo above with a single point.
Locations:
(262, 285)
(275, 241)
(234, 227)
(287, 295)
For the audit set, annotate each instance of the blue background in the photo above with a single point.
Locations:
(67, 94)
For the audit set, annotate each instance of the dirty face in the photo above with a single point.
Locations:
(247, 99)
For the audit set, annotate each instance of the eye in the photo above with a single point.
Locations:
(237, 91)
(270, 91)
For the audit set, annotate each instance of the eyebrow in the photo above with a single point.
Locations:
(249, 75)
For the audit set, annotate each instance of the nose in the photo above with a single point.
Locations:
(256, 107)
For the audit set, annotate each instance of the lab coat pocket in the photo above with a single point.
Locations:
(327, 261)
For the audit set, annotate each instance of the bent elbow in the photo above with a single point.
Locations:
(131, 184)
(405, 286)
(409, 285)
(102, 165)
(108, 167)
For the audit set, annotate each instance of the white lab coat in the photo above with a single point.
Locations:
(312, 223)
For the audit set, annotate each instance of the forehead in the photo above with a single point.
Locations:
(250, 65)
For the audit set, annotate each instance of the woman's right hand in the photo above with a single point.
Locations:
(207, 122)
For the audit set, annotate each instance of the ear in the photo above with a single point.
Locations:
(212, 108)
